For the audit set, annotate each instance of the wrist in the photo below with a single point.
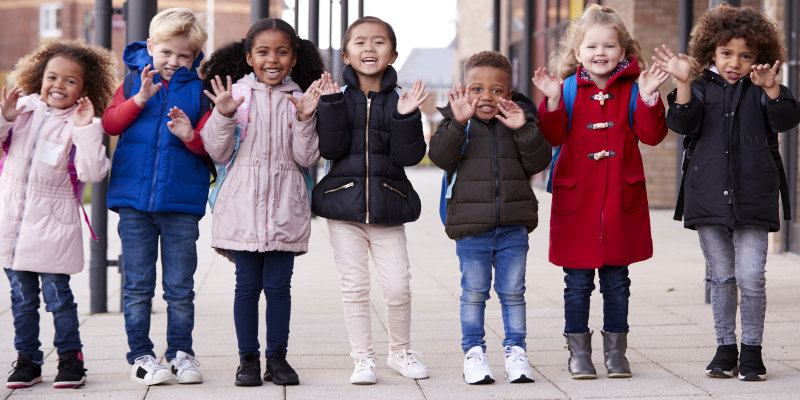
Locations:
(139, 99)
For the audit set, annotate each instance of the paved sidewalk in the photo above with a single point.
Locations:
(671, 338)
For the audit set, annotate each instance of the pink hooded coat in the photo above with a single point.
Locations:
(41, 219)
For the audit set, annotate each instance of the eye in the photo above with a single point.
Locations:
(283, 52)
(497, 91)
(379, 42)
(747, 56)
(360, 42)
(476, 89)
(725, 53)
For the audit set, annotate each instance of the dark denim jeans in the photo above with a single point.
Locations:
(270, 272)
(615, 287)
(506, 249)
(140, 233)
(58, 300)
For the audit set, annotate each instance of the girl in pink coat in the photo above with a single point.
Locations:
(599, 218)
(48, 121)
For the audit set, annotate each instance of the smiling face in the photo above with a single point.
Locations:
(734, 59)
(600, 52)
(488, 85)
(171, 54)
(271, 56)
(62, 82)
(369, 50)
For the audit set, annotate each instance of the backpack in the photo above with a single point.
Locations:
(448, 183)
(205, 105)
(242, 117)
(77, 186)
(568, 92)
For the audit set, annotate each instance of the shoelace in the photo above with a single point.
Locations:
(187, 362)
(410, 357)
(149, 363)
(365, 363)
(475, 357)
(518, 359)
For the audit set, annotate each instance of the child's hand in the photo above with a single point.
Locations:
(549, 86)
(148, 89)
(763, 75)
(460, 105)
(307, 104)
(650, 80)
(8, 102)
(512, 115)
(328, 86)
(84, 113)
(410, 101)
(223, 97)
(180, 125)
(677, 66)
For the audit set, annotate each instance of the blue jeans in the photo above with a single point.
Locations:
(139, 232)
(615, 287)
(58, 300)
(505, 248)
(272, 273)
(736, 259)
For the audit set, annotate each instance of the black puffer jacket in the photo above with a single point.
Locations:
(367, 186)
(492, 185)
(731, 178)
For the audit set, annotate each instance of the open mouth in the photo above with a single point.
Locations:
(732, 75)
(57, 96)
(486, 108)
(369, 60)
(272, 73)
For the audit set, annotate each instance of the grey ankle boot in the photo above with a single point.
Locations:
(614, 346)
(580, 355)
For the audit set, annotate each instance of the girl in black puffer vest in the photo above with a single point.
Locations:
(369, 133)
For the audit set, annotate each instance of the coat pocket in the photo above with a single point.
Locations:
(565, 196)
(634, 196)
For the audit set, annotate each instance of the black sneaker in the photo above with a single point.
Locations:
(25, 373)
(751, 367)
(249, 371)
(279, 371)
(71, 373)
(724, 363)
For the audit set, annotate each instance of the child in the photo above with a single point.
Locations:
(489, 135)
(369, 133)
(66, 84)
(730, 114)
(262, 211)
(158, 186)
(599, 215)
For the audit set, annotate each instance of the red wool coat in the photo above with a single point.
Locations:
(599, 209)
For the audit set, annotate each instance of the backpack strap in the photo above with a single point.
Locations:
(774, 148)
(449, 182)
(77, 188)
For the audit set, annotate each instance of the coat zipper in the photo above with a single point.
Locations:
(345, 186)
(386, 185)
(495, 178)
(269, 166)
(47, 113)
(153, 185)
(366, 150)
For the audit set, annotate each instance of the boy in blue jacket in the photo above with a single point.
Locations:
(159, 185)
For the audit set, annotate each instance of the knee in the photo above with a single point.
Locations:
(752, 281)
(474, 296)
(511, 299)
(355, 295)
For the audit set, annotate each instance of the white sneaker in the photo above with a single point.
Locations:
(518, 369)
(147, 371)
(406, 362)
(476, 367)
(364, 371)
(184, 367)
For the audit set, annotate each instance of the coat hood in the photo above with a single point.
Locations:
(287, 86)
(388, 81)
(629, 71)
(136, 57)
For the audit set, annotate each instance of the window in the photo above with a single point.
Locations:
(50, 20)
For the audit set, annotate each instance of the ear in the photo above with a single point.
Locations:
(393, 57)
(345, 58)
(578, 55)
(294, 59)
(149, 47)
(510, 94)
(250, 59)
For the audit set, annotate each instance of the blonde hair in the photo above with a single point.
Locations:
(174, 22)
(563, 62)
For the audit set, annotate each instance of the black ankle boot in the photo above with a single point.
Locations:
(279, 371)
(249, 371)
(751, 366)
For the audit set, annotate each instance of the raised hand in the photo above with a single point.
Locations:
(148, 89)
(512, 115)
(223, 97)
(307, 104)
(84, 113)
(764, 75)
(549, 86)
(676, 65)
(650, 80)
(179, 124)
(460, 105)
(8, 102)
(410, 101)
(328, 86)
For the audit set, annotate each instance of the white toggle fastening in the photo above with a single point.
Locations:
(600, 125)
(602, 97)
(600, 154)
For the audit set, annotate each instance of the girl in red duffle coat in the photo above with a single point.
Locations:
(599, 210)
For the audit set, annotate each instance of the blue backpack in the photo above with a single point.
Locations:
(568, 92)
(448, 183)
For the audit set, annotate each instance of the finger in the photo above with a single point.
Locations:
(210, 96)
(292, 99)
(777, 66)
(668, 51)
(230, 83)
(423, 98)
(474, 105)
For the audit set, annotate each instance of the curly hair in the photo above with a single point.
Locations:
(563, 62)
(231, 59)
(489, 59)
(98, 64)
(720, 25)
